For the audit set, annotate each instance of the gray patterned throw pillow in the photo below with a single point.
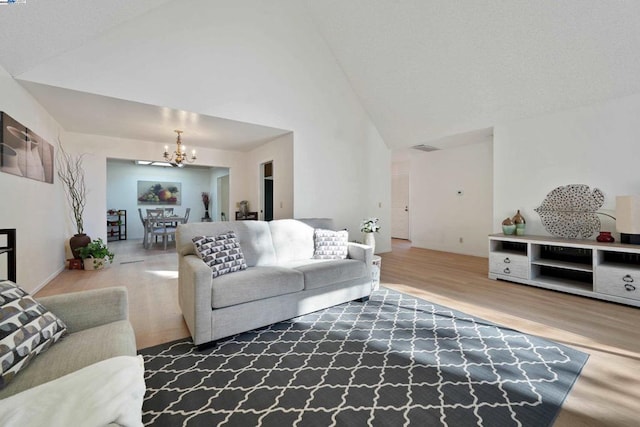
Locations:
(330, 244)
(222, 253)
(26, 330)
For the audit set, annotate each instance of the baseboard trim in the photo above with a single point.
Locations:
(48, 279)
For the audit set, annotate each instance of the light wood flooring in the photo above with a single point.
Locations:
(607, 393)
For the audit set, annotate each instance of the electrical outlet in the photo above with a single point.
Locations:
(379, 204)
(461, 240)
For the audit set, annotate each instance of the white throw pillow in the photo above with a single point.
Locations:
(330, 244)
(110, 391)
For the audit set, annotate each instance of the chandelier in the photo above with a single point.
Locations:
(179, 157)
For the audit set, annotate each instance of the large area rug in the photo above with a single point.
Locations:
(392, 361)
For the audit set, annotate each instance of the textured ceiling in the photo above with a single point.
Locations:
(425, 71)
(39, 29)
(428, 69)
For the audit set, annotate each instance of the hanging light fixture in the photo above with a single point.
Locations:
(179, 157)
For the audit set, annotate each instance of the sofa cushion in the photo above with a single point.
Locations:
(321, 272)
(254, 283)
(75, 351)
(222, 253)
(329, 244)
(292, 240)
(26, 330)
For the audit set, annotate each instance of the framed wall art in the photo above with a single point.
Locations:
(159, 193)
(23, 152)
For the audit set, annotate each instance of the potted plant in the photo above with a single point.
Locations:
(95, 255)
(71, 173)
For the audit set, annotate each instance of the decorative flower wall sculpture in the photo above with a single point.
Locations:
(569, 211)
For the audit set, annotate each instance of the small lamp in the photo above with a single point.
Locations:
(628, 219)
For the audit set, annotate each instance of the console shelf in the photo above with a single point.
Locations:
(607, 271)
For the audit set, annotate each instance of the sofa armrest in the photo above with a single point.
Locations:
(194, 295)
(360, 252)
(88, 309)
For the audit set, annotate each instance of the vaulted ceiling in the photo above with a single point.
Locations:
(425, 71)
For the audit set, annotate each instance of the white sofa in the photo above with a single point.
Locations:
(282, 280)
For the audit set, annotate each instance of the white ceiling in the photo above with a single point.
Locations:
(427, 71)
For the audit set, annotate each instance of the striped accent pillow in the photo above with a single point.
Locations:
(26, 330)
(330, 244)
(222, 253)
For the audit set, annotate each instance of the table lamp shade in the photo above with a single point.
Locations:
(628, 214)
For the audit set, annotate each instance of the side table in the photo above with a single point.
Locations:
(375, 272)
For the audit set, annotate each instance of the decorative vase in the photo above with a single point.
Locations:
(520, 223)
(605, 237)
(508, 227)
(244, 209)
(78, 241)
(370, 240)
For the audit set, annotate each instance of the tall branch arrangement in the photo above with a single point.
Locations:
(205, 200)
(71, 173)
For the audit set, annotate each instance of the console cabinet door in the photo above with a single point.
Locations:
(618, 281)
(509, 265)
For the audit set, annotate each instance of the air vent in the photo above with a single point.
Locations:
(426, 148)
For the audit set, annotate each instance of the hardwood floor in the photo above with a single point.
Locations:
(151, 278)
(607, 393)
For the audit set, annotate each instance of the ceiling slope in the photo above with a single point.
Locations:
(38, 30)
(424, 71)
(428, 69)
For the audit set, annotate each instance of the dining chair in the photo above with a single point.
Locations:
(144, 228)
(155, 212)
(170, 212)
(158, 225)
(151, 220)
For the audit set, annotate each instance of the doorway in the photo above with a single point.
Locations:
(223, 198)
(266, 171)
(400, 201)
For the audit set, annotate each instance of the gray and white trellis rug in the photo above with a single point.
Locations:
(394, 360)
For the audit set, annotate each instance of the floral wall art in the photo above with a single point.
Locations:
(158, 193)
(23, 152)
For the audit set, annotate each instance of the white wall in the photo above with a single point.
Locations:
(122, 190)
(36, 210)
(597, 145)
(439, 216)
(280, 152)
(264, 66)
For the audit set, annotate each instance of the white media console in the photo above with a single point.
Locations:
(608, 271)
